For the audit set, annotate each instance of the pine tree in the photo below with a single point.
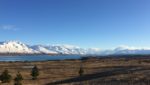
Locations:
(81, 71)
(35, 72)
(5, 77)
(18, 79)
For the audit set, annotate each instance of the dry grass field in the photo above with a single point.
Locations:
(97, 71)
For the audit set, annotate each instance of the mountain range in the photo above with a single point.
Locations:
(16, 47)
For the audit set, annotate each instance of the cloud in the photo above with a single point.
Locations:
(8, 27)
(126, 47)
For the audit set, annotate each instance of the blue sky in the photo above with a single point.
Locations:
(86, 23)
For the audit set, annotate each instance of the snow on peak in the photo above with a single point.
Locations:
(55, 49)
(66, 46)
(19, 47)
(65, 49)
(14, 47)
(43, 49)
(125, 47)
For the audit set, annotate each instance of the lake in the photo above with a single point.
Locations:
(38, 57)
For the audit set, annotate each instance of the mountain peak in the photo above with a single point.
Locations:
(14, 47)
(12, 42)
(125, 47)
(19, 47)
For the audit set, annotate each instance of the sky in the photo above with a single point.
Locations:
(85, 23)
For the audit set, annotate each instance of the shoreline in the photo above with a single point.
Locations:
(82, 58)
(22, 54)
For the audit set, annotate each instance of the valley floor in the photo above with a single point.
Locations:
(103, 71)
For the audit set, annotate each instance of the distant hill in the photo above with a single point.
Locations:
(16, 47)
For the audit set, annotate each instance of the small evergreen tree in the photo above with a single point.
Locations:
(18, 79)
(5, 77)
(81, 71)
(35, 72)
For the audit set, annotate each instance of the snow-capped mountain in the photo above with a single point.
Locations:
(131, 50)
(15, 47)
(124, 50)
(42, 49)
(58, 49)
(21, 48)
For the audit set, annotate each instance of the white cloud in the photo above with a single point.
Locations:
(8, 27)
(123, 47)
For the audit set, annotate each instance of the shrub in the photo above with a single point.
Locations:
(18, 79)
(5, 77)
(81, 71)
(35, 72)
